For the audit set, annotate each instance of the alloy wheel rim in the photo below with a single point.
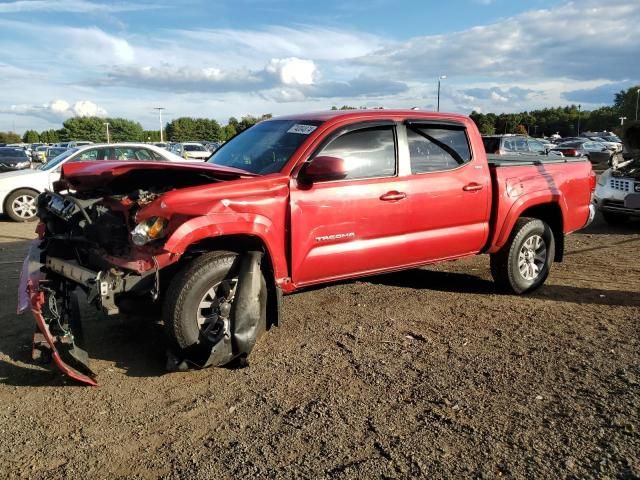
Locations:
(209, 306)
(24, 206)
(532, 257)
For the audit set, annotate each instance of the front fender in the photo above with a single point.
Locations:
(222, 224)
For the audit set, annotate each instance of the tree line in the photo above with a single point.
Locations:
(94, 129)
(567, 121)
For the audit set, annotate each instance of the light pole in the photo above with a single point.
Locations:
(160, 109)
(622, 119)
(637, 98)
(107, 125)
(441, 77)
(579, 109)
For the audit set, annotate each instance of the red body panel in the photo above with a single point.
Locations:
(340, 229)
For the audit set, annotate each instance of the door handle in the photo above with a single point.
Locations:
(393, 196)
(472, 187)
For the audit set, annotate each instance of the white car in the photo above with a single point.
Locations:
(613, 146)
(617, 193)
(19, 189)
(194, 151)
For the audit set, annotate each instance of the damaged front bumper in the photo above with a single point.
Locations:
(50, 339)
(49, 287)
(58, 334)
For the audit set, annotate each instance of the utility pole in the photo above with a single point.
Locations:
(160, 109)
(441, 77)
(637, 98)
(579, 110)
(622, 119)
(107, 125)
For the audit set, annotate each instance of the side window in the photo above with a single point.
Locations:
(433, 149)
(536, 146)
(124, 153)
(521, 145)
(143, 154)
(87, 155)
(367, 153)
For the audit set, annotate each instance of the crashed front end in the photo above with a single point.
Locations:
(94, 240)
(84, 246)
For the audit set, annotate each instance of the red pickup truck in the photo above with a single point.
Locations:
(290, 202)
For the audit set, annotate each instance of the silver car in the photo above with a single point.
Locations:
(618, 193)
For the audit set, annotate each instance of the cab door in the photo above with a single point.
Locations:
(448, 193)
(356, 225)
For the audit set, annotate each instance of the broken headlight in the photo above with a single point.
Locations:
(148, 230)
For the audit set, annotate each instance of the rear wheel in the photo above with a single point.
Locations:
(523, 264)
(20, 206)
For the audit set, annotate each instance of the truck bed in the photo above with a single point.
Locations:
(516, 160)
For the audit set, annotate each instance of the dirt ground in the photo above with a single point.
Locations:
(426, 373)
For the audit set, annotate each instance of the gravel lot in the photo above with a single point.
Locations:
(426, 373)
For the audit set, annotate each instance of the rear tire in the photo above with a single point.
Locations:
(614, 219)
(191, 286)
(523, 263)
(20, 206)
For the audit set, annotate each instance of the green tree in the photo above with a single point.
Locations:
(625, 103)
(228, 132)
(151, 135)
(84, 128)
(49, 136)
(94, 129)
(31, 136)
(9, 137)
(123, 130)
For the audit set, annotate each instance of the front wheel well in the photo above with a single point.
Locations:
(551, 214)
(241, 244)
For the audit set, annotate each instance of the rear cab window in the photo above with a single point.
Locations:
(435, 148)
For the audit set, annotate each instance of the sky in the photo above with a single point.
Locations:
(222, 58)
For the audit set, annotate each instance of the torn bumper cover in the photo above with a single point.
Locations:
(49, 285)
(51, 338)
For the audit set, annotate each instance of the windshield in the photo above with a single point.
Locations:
(54, 162)
(12, 152)
(266, 147)
(194, 148)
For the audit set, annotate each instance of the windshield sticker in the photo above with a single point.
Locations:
(302, 129)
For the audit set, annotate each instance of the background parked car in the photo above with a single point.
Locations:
(53, 152)
(19, 189)
(39, 154)
(513, 145)
(596, 153)
(195, 151)
(12, 159)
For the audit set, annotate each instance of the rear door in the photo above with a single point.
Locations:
(448, 193)
(356, 225)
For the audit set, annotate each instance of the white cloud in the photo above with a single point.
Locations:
(522, 62)
(293, 71)
(580, 40)
(57, 110)
(78, 6)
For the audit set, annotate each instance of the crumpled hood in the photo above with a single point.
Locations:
(630, 169)
(99, 174)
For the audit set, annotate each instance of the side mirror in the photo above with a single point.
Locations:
(324, 168)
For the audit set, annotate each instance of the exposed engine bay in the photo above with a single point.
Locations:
(629, 169)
